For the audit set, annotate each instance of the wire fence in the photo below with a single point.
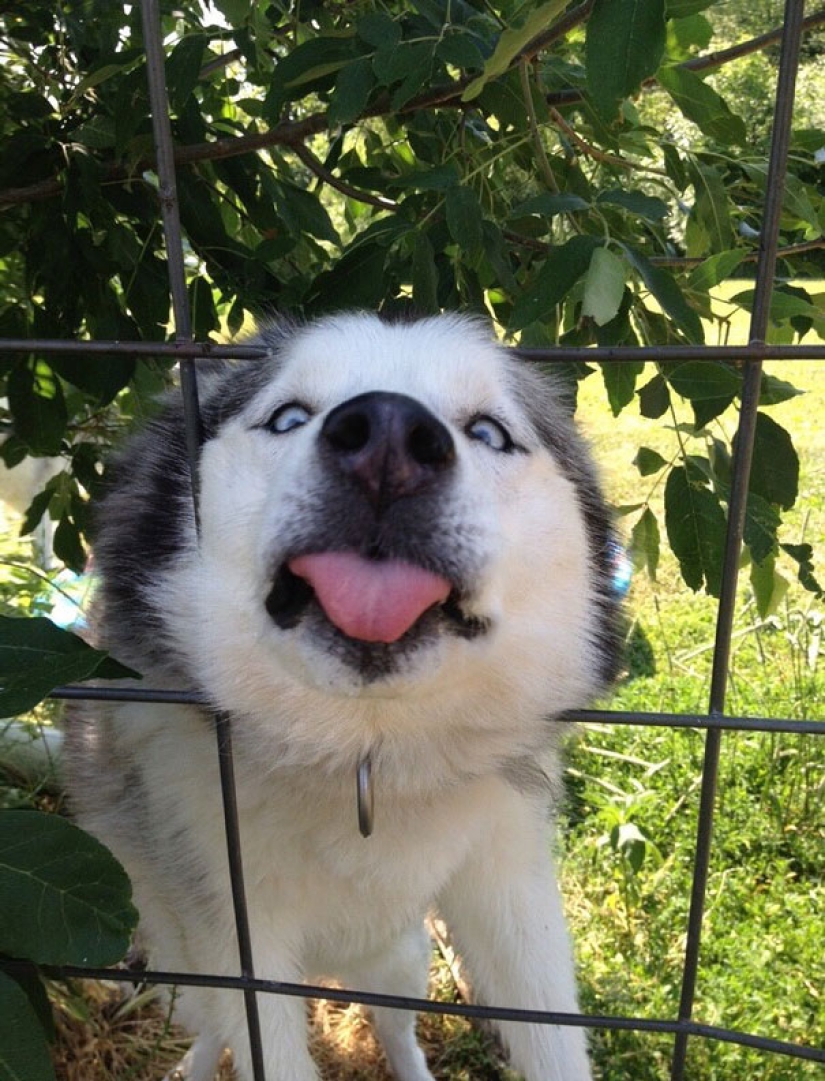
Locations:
(715, 722)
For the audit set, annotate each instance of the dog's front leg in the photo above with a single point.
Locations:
(504, 910)
(283, 1036)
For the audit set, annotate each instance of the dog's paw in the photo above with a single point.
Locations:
(200, 1063)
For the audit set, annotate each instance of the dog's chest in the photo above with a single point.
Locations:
(312, 864)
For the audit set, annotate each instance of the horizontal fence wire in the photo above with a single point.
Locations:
(750, 356)
(208, 350)
(468, 1010)
(579, 716)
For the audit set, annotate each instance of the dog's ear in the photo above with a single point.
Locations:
(273, 331)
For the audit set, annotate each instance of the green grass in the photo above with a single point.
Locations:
(634, 797)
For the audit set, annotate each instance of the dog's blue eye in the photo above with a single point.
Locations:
(289, 416)
(489, 431)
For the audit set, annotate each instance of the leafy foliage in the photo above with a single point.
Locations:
(36, 656)
(512, 158)
(572, 171)
(23, 1051)
(66, 900)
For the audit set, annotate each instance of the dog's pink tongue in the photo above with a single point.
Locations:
(373, 601)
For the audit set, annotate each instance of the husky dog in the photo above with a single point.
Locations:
(399, 572)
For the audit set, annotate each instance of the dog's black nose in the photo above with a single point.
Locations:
(390, 444)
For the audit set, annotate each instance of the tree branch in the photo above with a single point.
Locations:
(750, 257)
(314, 165)
(753, 45)
(593, 152)
(683, 261)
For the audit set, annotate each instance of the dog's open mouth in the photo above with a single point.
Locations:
(371, 601)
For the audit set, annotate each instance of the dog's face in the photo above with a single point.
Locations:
(392, 512)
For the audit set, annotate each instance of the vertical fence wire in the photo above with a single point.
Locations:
(162, 131)
(737, 505)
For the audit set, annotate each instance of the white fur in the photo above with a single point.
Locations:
(451, 830)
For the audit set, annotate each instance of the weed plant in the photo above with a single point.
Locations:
(633, 804)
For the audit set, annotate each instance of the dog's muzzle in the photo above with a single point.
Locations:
(386, 457)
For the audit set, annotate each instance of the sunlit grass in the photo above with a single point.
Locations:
(762, 965)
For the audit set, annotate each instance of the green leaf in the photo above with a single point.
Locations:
(464, 218)
(711, 210)
(696, 527)
(498, 253)
(147, 292)
(620, 382)
(32, 986)
(796, 200)
(645, 543)
(183, 67)
(663, 286)
(439, 178)
(236, 12)
(513, 41)
(24, 1054)
(313, 59)
(38, 406)
(461, 50)
(624, 45)
(619, 330)
(640, 205)
(98, 133)
(66, 899)
(775, 465)
(675, 167)
(36, 656)
(773, 390)
(699, 380)
(68, 546)
(654, 398)
(769, 587)
(36, 509)
(408, 63)
(424, 274)
(98, 77)
(762, 523)
(202, 305)
(701, 104)
(548, 204)
(717, 268)
(99, 377)
(604, 287)
(649, 461)
(784, 306)
(561, 270)
(803, 555)
(692, 31)
(306, 213)
(631, 843)
(352, 91)
(378, 29)
(356, 280)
